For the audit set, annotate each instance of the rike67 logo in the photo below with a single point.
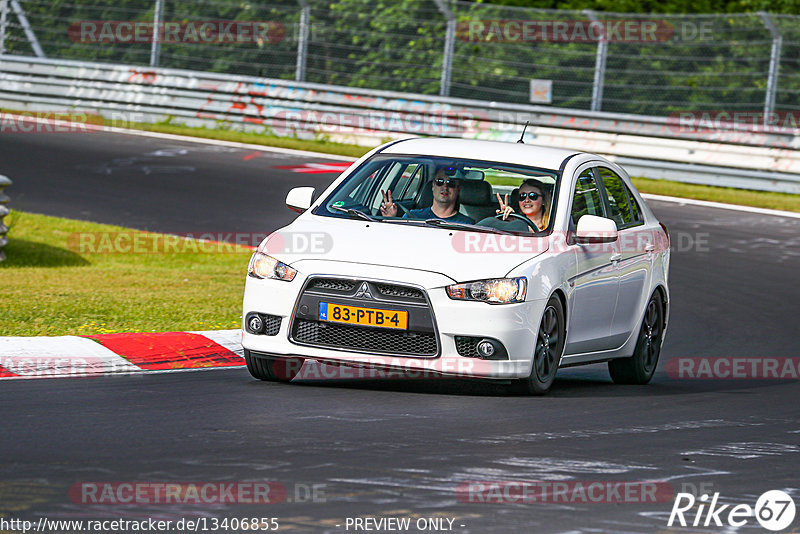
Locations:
(774, 510)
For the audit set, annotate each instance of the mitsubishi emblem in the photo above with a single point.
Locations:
(363, 292)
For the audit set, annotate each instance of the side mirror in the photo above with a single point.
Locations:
(594, 229)
(299, 199)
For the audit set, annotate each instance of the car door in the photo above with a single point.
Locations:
(635, 244)
(593, 295)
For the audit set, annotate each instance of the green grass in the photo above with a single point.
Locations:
(728, 195)
(55, 284)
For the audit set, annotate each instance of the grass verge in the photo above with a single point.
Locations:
(727, 195)
(70, 277)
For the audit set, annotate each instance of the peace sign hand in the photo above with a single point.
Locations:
(505, 209)
(388, 207)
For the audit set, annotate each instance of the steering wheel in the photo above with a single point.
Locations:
(521, 217)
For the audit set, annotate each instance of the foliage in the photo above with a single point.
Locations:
(398, 45)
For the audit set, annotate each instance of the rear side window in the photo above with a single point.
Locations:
(409, 182)
(622, 207)
(636, 211)
(586, 200)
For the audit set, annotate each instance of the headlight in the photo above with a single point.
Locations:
(263, 266)
(495, 291)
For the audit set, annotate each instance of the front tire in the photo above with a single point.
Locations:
(273, 370)
(549, 347)
(639, 368)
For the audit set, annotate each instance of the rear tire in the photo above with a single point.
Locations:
(273, 370)
(639, 368)
(549, 348)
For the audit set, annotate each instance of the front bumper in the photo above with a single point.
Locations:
(513, 325)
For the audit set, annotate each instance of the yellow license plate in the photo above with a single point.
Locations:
(338, 313)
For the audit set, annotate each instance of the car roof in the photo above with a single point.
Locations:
(516, 153)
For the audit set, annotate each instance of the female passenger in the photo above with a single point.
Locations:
(531, 203)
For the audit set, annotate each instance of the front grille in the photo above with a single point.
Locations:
(401, 291)
(332, 284)
(272, 323)
(364, 339)
(467, 346)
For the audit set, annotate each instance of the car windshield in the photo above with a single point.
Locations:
(448, 193)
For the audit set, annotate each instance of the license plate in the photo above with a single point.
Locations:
(339, 313)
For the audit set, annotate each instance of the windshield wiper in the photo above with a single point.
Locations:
(353, 211)
(463, 226)
(414, 222)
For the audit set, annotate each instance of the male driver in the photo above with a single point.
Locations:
(445, 202)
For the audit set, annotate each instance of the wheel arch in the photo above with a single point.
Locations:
(662, 291)
(559, 292)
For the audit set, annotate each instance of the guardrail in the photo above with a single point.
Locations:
(731, 155)
(4, 182)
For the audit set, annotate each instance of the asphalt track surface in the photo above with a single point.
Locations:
(391, 448)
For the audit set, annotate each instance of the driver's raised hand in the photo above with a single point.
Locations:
(505, 209)
(388, 207)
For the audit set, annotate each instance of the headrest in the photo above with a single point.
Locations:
(476, 193)
(425, 197)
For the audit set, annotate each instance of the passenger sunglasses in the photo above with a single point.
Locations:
(449, 183)
(532, 196)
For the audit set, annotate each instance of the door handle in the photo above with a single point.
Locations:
(616, 257)
(649, 247)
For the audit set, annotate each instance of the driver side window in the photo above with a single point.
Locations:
(586, 198)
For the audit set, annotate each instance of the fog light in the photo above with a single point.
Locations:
(485, 348)
(255, 324)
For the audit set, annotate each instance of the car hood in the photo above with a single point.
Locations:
(459, 255)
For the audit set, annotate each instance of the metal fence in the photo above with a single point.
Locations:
(650, 146)
(642, 64)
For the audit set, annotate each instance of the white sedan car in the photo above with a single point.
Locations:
(433, 281)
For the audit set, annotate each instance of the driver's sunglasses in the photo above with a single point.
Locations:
(532, 196)
(449, 183)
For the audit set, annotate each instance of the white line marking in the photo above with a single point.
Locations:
(219, 142)
(721, 205)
